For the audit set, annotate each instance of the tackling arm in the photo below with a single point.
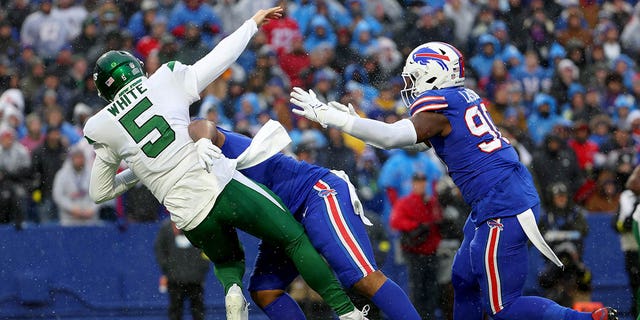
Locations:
(406, 133)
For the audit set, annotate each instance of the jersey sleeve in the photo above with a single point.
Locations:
(184, 78)
(94, 135)
(428, 102)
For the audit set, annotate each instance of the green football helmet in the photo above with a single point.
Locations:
(114, 70)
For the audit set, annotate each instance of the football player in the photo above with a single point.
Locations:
(326, 204)
(490, 267)
(145, 124)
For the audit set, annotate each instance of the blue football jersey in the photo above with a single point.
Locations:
(478, 158)
(285, 176)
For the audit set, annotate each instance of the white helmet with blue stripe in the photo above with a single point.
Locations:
(433, 65)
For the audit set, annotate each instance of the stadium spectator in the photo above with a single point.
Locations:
(454, 210)
(584, 149)
(199, 13)
(396, 172)
(184, 268)
(15, 163)
(45, 31)
(47, 160)
(553, 162)
(34, 135)
(71, 191)
(417, 217)
(605, 196)
(564, 227)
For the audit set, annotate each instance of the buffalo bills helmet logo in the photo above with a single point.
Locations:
(424, 55)
(495, 224)
(327, 192)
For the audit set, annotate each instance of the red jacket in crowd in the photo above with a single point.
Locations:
(418, 220)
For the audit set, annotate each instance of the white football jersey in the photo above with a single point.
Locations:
(147, 126)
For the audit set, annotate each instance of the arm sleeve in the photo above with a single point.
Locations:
(382, 135)
(212, 65)
(105, 184)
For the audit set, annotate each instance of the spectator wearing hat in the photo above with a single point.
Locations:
(45, 31)
(417, 217)
(566, 74)
(543, 117)
(625, 66)
(192, 47)
(199, 13)
(583, 147)
(47, 160)
(320, 34)
(363, 41)
(601, 128)
(624, 104)
(71, 191)
(15, 164)
(613, 88)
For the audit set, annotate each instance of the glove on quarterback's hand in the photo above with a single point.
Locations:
(206, 153)
(314, 110)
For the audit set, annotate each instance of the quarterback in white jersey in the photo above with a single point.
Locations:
(146, 125)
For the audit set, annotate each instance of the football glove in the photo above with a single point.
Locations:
(314, 110)
(206, 153)
(342, 108)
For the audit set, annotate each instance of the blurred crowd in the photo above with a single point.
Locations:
(560, 79)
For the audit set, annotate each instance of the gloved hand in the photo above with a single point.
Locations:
(314, 110)
(206, 153)
(342, 108)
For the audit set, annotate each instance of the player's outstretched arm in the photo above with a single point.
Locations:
(213, 64)
(383, 135)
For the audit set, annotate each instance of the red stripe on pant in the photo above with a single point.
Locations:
(342, 229)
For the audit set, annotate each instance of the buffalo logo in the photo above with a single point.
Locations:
(426, 55)
(327, 192)
(495, 224)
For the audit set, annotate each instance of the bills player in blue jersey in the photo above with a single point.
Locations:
(326, 204)
(490, 266)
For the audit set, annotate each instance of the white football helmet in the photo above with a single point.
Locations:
(433, 65)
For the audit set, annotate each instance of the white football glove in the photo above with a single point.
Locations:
(206, 153)
(314, 110)
(341, 107)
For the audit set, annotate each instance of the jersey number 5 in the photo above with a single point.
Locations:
(138, 132)
(479, 124)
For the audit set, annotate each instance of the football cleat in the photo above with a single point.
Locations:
(606, 313)
(356, 314)
(235, 304)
